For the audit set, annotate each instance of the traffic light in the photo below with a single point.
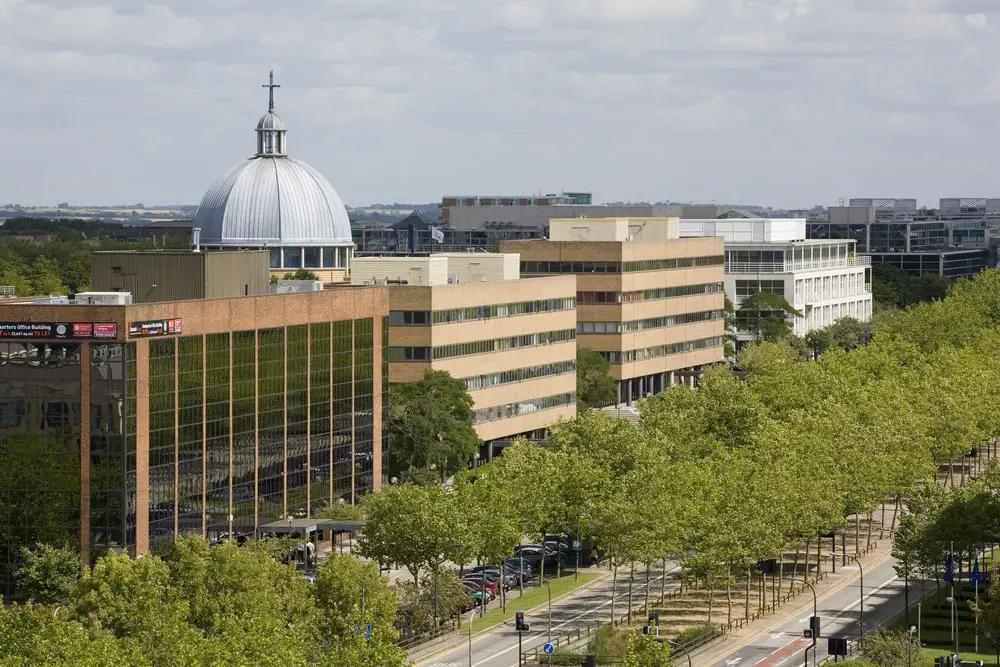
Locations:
(814, 626)
(519, 623)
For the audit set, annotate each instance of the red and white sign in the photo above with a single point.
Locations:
(83, 329)
(105, 330)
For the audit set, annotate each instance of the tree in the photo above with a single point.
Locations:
(887, 648)
(301, 274)
(729, 314)
(48, 573)
(595, 388)
(766, 315)
(339, 583)
(430, 423)
(415, 526)
(645, 651)
(987, 611)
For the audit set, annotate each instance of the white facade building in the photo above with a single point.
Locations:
(824, 280)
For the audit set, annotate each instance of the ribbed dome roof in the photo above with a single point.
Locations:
(273, 201)
(271, 121)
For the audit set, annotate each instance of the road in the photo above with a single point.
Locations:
(498, 648)
(783, 645)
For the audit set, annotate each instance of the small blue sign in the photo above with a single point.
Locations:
(577, 545)
(368, 631)
(548, 649)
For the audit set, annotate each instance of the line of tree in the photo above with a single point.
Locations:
(735, 470)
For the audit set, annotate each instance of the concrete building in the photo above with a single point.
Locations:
(647, 300)
(178, 275)
(511, 341)
(824, 280)
(450, 203)
(122, 426)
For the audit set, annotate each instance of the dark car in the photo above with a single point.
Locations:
(493, 574)
(516, 564)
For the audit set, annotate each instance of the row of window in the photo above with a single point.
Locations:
(745, 288)
(310, 258)
(647, 294)
(509, 410)
(425, 317)
(621, 267)
(480, 346)
(631, 356)
(519, 375)
(830, 287)
(650, 323)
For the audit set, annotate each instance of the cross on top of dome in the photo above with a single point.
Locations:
(271, 129)
(271, 85)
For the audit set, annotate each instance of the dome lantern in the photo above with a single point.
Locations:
(271, 129)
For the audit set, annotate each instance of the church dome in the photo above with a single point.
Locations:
(271, 199)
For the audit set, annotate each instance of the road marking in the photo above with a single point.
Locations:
(734, 661)
(777, 635)
(532, 636)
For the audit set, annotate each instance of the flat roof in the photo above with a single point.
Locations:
(296, 526)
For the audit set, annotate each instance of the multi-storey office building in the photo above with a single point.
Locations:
(823, 280)
(511, 341)
(951, 241)
(122, 426)
(450, 203)
(647, 300)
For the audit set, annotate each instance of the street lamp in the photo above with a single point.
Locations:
(861, 584)
(681, 647)
(475, 463)
(909, 646)
(364, 581)
(815, 614)
(951, 601)
(549, 586)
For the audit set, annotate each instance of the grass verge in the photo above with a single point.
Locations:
(533, 597)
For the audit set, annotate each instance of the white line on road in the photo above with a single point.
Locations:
(565, 623)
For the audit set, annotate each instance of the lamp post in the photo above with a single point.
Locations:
(549, 586)
(815, 613)
(951, 601)
(579, 538)
(861, 601)
(681, 647)
(364, 580)
(909, 646)
(475, 463)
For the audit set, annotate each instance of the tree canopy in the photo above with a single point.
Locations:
(595, 388)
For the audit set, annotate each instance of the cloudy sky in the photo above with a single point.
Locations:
(782, 102)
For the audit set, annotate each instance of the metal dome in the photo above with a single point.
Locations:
(271, 121)
(273, 201)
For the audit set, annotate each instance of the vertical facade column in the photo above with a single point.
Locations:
(229, 522)
(204, 438)
(354, 359)
(177, 436)
(85, 431)
(141, 447)
(309, 420)
(333, 415)
(284, 426)
(377, 406)
(256, 432)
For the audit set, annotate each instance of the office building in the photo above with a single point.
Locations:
(511, 341)
(450, 203)
(951, 241)
(824, 280)
(122, 426)
(647, 300)
(274, 202)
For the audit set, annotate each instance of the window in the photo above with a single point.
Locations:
(312, 258)
(275, 258)
(328, 262)
(519, 375)
(745, 288)
(647, 324)
(632, 356)
(480, 346)
(509, 410)
(293, 258)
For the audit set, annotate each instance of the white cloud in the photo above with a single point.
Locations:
(507, 95)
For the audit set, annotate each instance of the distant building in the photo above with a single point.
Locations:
(274, 202)
(647, 300)
(449, 203)
(511, 341)
(951, 241)
(824, 280)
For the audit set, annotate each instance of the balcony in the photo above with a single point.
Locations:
(790, 266)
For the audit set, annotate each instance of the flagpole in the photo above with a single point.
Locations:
(975, 578)
(951, 578)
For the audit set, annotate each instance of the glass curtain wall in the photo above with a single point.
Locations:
(162, 444)
(343, 409)
(107, 447)
(319, 415)
(297, 478)
(364, 405)
(271, 424)
(244, 430)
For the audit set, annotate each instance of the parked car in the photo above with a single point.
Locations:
(493, 574)
(477, 583)
(516, 564)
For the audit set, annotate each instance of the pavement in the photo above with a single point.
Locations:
(498, 647)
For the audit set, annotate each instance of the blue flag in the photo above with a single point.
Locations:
(975, 573)
(949, 569)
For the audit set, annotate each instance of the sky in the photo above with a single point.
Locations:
(780, 102)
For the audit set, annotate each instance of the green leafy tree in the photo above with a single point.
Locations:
(48, 573)
(430, 423)
(645, 651)
(339, 582)
(595, 387)
(987, 611)
(888, 648)
(766, 315)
